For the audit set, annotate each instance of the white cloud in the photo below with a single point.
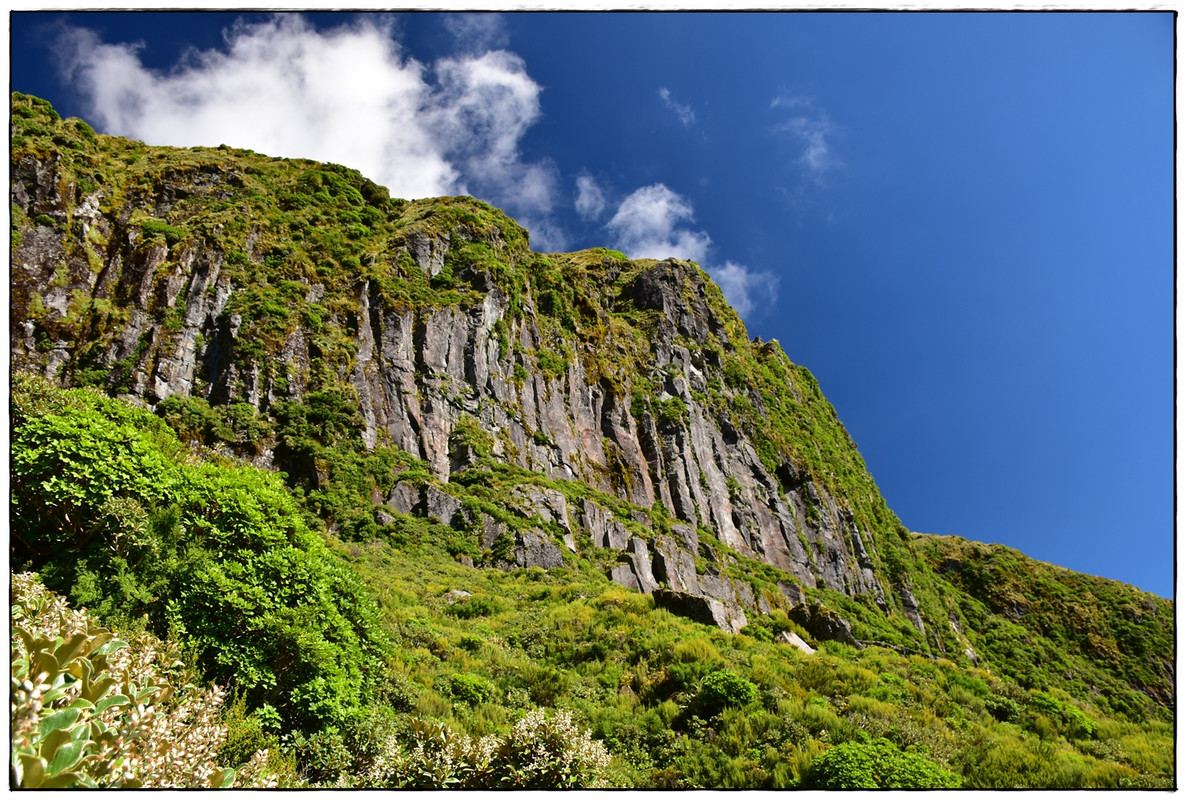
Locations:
(590, 201)
(349, 95)
(813, 131)
(478, 32)
(685, 113)
(744, 288)
(648, 225)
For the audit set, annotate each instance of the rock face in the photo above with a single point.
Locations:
(172, 316)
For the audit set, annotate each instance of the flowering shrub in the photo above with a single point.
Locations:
(545, 752)
(541, 752)
(90, 710)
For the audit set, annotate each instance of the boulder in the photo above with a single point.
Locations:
(706, 610)
(823, 624)
(441, 506)
(405, 498)
(534, 549)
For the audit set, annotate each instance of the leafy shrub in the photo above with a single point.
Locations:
(724, 689)
(470, 688)
(225, 563)
(549, 752)
(158, 227)
(90, 710)
(877, 765)
(473, 607)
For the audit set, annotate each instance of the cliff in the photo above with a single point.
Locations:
(549, 408)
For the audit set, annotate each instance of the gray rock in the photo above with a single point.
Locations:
(792, 592)
(548, 504)
(706, 610)
(405, 498)
(823, 624)
(489, 530)
(623, 575)
(441, 506)
(534, 549)
(674, 566)
(605, 529)
(910, 607)
(687, 537)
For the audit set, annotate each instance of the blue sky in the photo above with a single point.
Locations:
(962, 223)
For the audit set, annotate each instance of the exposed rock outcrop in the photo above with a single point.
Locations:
(707, 610)
(102, 286)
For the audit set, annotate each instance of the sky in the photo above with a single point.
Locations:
(961, 223)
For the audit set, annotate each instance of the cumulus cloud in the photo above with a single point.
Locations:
(813, 131)
(648, 224)
(744, 288)
(590, 200)
(348, 95)
(685, 113)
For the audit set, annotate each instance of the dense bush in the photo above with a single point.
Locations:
(108, 510)
(877, 765)
(724, 689)
(542, 751)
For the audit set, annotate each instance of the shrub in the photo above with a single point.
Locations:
(549, 752)
(90, 710)
(226, 562)
(471, 689)
(724, 689)
(877, 765)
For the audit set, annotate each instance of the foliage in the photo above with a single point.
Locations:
(877, 765)
(91, 710)
(724, 689)
(224, 561)
(541, 751)
(329, 615)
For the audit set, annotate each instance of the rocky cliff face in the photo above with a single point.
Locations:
(240, 279)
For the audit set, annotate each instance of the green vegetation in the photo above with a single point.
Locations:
(362, 647)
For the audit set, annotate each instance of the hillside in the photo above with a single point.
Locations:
(506, 480)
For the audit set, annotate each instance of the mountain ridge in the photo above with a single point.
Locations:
(415, 360)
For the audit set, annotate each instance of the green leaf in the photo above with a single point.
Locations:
(109, 648)
(147, 694)
(95, 691)
(81, 668)
(52, 742)
(26, 638)
(44, 661)
(71, 648)
(108, 702)
(69, 756)
(57, 720)
(63, 780)
(224, 780)
(33, 771)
